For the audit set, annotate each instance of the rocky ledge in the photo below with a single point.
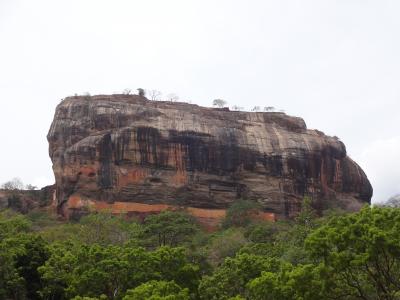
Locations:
(113, 149)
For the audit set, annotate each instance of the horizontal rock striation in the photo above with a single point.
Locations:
(125, 148)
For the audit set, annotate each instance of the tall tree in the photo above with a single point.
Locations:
(169, 228)
(361, 252)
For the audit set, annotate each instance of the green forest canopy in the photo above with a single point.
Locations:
(337, 256)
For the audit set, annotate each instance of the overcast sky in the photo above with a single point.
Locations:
(334, 63)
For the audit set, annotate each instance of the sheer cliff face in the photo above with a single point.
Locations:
(125, 148)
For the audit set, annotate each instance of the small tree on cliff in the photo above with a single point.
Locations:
(219, 103)
(154, 94)
(237, 108)
(269, 108)
(172, 97)
(141, 92)
(127, 91)
(31, 187)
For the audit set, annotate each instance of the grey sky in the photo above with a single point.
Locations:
(334, 63)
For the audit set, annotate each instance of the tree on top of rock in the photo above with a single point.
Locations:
(154, 95)
(219, 103)
(141, 92)
(172, 97)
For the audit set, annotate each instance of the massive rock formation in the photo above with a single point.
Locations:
(125, 149)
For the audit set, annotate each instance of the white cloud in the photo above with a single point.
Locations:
(381, 161)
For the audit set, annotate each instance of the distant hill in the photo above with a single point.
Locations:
(393, 201)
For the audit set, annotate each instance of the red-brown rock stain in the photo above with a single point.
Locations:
(176, 159)
(337, 180)
(324, 179)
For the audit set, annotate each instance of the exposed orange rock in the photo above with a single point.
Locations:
(207, 213)
(209, 218)
(266, 216)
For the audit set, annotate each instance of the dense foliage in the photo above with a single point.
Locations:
(169, 256)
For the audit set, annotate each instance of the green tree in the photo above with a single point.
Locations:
(75, 269)
(169, 228)
(63, 232)
(58, 271)
(11, 283)
(306, 218)
(288, 283)
(241, 213)
(225, 244)
(102, 297)
(27, 262)
(107, 229)
(21, 256)
(93, 270)
(291, 241)
(361, 252)
(172, 265)
(97, 228)
(262, 232)
(12, 223)
(85, 270)
(231, 278)
(158, 290)
(197, 252)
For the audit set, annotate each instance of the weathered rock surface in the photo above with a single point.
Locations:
(24, 201)
(124, 148)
